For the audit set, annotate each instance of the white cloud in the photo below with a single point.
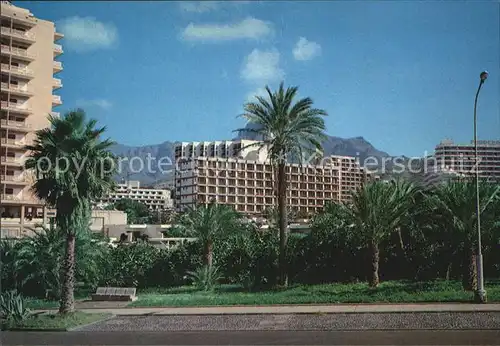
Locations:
(306, 50)
(249, 28)
(207, 6)
(258, 92)
(87, 33)
(100, 103)
(262, 67)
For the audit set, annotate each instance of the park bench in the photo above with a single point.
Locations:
(122, 294)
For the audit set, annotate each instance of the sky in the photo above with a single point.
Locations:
(401, 74)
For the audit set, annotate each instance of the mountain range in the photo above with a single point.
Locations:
(130, 169)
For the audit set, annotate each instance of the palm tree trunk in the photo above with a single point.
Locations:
(374, 281)
(208, 254)
(283, 223)
(469, 281)
(67, 303)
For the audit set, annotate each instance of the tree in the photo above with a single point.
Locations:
(207, 223)
(378, 209)
(455, 204)
(288, 129)
(73, 167)
(136, 211)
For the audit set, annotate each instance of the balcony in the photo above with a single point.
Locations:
(23, 36)
(55, 114)
(21, 126)
(16, 89)
(16, 17)
(16, 108)
(17, 53)
(58, 36)
(13, 179)
(10, 161)
(57, 49)
(57, 65)
(13, 143)
(56, 100)
(17, 71)
(56, 83)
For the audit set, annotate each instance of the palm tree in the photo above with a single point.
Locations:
(288, 129)
(73, 167)
(455, 203)
(378, 209)
(208, 223)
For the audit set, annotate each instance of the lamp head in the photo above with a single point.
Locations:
(483, 76)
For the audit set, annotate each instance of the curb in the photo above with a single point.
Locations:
(74, 329)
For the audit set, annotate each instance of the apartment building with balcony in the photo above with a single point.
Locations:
(28, 65)
(461, 158)
(154, 199)
(248, 185)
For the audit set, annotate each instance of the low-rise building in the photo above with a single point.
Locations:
(154, 199)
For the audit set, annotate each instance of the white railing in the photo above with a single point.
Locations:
(55, 114)
(17, 51)
(18, 33)
(58, 64)
(10, 159)
(15, 106)
(16, 87)
(22, 70)
(57, 82)
(56, 99)
(12, 141)
(58, 47)
(15, 123)
(18, 178)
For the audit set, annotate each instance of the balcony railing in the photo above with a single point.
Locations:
(18, 33)
(55, 114)
(13, 178)
(19, 124)
(57, 82)
(57, 65)
(16, 69)
(14, 106)
(9, 159)
(17, 88)
(58, 48)
(56, 99)
(12, 142)
(17, 51)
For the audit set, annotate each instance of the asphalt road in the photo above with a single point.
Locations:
(408, 337)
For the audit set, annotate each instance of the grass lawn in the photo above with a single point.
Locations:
(52, 321)
(387, 292)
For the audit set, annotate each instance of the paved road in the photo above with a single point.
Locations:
(422, 337)
(319, 322)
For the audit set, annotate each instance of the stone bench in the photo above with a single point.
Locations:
(121, 294)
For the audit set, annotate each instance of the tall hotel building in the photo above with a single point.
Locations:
(28, 66)
(461, 158)
(233, 173)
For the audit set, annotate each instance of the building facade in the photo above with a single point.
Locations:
(248, 185)
(461, 158)
(154, 199)
(28, 64)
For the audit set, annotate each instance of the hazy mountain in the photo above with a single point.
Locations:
(357, 147)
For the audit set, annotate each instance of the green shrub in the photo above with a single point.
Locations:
(13, 307)
(205, 278)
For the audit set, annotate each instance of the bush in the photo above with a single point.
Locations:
(13, 307)
(205, 278)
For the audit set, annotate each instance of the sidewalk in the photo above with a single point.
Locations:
(297, 309)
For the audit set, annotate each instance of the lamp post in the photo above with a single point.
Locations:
(480, 294)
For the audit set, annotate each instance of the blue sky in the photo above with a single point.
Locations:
(401, 74)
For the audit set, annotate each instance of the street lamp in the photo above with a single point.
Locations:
(480, 294)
